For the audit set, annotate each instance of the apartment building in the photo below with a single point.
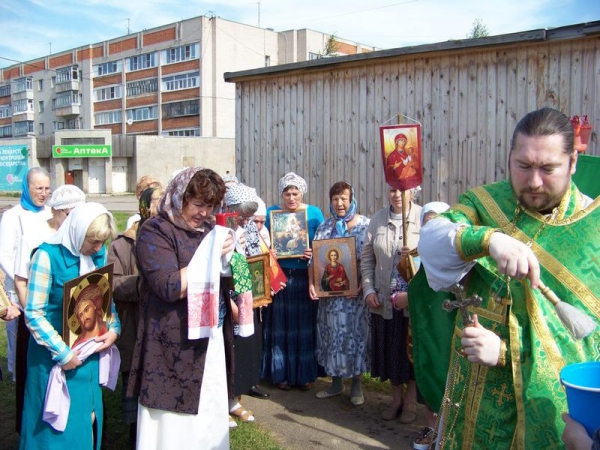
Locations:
(163, 81)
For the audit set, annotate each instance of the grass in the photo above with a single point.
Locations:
(247, 436)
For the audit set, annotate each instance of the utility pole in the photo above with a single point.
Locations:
(128, 28)
(50, 44)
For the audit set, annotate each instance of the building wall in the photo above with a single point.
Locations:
(322, 121)
(160, 157)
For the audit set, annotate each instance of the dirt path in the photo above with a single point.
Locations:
(303, 422)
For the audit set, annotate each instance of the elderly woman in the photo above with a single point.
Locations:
(76, 249)
(62, 202)
(342, 322)
(247, 351)
(389, 322)
(290, 321)
(181, 380)
(127, 300)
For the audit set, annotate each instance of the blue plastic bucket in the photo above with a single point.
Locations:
(582, 384)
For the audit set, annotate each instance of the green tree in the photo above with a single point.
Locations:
(478, 30)
(332, 46)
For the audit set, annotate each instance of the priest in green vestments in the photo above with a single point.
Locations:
(500, 244)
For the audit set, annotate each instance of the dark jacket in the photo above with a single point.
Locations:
(125, 292)
(167, 367)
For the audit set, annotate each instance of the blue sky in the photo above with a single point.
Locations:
(31, 28)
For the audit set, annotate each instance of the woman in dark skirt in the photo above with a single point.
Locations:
(385, 294)
(290, 321)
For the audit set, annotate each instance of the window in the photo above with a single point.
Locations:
(68, 98)
(67, 74)
(23, 128)
(146, 113)
(52, 81)
(108, 93)
(108, 117)
(58, 126)
(41, 106)
(267, 61)
(183, 53)
(192, 132)
(5, 111)
(23, 106)
(312, 56)
(40, 128)
(5, 90)
(6, 131)
(180, 109)
(185, 81)
(41, 85)
(74, 124)
(107, 68)
(23, 84)
(141, 62)
(142, 87)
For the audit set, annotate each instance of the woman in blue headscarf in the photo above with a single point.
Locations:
(342, 322)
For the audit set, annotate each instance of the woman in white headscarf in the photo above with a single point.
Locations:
(290, 321)
(76, 249)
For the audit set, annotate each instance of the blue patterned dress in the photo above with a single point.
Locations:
(343, 322)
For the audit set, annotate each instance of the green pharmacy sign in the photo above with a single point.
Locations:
(81, 151)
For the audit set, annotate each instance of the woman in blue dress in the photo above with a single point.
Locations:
(343, 322)
(289, 326)
(76, 249)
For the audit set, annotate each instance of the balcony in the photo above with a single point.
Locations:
(22, 95)
(70, 110)
(23, 116)
(72, 85)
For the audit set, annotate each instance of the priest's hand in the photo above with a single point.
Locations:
(575, 436)
(514, 258)
(480, 345)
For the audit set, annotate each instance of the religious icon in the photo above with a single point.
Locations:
(86, 305)
(401, 153)
(259, 274)
(334, 267)
(289, 233)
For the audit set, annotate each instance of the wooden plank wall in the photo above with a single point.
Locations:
(323, 123)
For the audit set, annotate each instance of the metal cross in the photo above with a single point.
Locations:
(462, 303)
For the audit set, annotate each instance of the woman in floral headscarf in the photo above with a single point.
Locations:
(343, 322)
(126, 297)
(290, 321)
(170, 368)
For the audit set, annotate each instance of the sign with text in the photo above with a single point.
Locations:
(81, 151)
(13, 166)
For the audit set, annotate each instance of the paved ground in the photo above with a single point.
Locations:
(298, 419)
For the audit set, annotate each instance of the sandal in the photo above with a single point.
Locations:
(425, 439)
(409, 413)
(327, 394)
(391, 412)
(284, 387)
(357, 400)
(242, 414)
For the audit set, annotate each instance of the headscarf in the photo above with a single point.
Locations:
(291, 179)
(262, 207)
(239, 193)
(145, 205)
(340, 228)
(71, 234)
(26, 200)
(171, 205)
(229, 178)
(437, 207)
(67, 196)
